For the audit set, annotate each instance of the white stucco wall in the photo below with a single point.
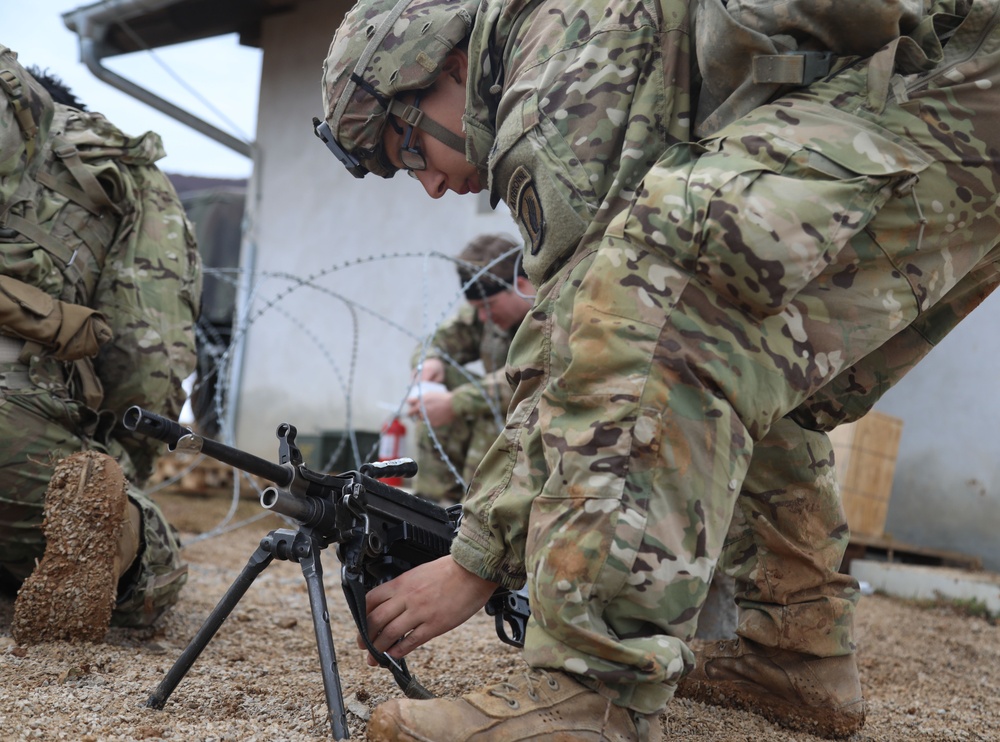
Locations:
(316, 355)
(946, 489)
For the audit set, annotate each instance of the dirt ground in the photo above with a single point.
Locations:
(929, 672)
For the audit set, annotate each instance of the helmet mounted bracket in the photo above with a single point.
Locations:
(322, 130)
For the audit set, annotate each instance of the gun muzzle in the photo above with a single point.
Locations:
(313, 512)
(149, 423)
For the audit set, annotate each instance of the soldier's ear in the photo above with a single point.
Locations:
(456, 65)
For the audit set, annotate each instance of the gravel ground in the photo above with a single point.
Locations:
(929, 673)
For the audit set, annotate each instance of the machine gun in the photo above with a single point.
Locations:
(379, 531)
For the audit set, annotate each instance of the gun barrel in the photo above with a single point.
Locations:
(149, 423)
(156, 426)
(314, 512)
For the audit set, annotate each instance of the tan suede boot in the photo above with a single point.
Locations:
(92, 535)
(820, 695)
(543, 705)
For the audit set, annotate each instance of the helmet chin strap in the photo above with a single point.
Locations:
(417, 119)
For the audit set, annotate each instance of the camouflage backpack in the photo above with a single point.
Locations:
(99, 269)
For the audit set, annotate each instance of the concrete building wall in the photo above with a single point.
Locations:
(946, 489)
(343, 289)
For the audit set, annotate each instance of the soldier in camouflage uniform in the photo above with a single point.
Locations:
(467, 416)
(746, 221)
(99, 289)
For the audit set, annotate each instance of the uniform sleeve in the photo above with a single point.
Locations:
(580, 121)
(578, 127)
(492, 537)
(457, 339)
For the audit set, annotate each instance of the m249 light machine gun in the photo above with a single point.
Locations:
(379, 531)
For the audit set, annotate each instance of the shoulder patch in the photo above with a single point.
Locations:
(522, 198)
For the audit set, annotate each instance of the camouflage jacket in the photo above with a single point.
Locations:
(571, 103)
(464, 339)
(569, 106)
(101, 227)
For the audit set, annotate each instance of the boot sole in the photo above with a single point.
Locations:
(72, 591)
(828, 723)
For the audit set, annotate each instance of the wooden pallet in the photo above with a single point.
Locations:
(863, 546)
(193, 474)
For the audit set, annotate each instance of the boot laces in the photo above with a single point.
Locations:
(533, 679)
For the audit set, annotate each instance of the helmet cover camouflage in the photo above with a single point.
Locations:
(381, 49)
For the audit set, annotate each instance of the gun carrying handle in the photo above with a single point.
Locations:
(406, 468)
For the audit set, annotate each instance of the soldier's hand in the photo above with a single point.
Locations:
(432, 369)
(423, 603)
(436, 409)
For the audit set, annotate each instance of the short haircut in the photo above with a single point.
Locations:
(500, 276)
(57, 89)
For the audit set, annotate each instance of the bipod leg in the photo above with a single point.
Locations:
(312, 570)
(257, 563)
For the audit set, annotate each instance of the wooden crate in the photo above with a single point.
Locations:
(865, 452)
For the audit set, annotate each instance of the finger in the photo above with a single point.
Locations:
(381, 594)
(382, 617)
(369, 657)
(393, 633)
(415, 638)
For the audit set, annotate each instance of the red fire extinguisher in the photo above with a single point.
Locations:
(390, 446)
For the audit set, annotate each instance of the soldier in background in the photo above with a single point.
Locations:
(467, 412)
(99, 288)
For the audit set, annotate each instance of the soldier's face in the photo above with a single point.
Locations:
(444, 102)
(507, 308)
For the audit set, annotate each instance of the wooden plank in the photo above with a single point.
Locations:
(896, 551)
(865, 455)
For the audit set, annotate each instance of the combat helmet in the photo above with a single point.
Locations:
(384, 48)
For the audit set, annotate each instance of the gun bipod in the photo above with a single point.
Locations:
(285, 544)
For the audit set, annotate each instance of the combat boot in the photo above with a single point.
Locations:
(542, 705)
(819, 695)
(92, 536)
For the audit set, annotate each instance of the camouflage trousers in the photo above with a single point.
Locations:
(765, 285)
(40, 425)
